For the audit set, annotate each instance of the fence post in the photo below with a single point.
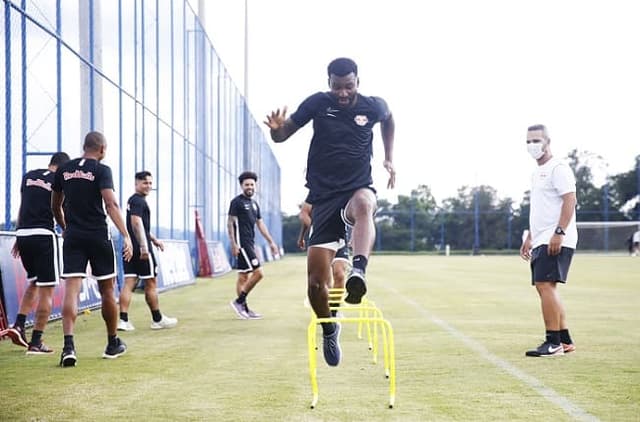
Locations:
(476, 221)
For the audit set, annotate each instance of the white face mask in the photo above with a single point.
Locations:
(536, 150)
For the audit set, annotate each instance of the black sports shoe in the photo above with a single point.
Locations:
(17, 336)
(356, 287)
(68, 357)
(546, 349)
(112, 352)
(331, 346)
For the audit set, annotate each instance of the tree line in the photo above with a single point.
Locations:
(477, 218)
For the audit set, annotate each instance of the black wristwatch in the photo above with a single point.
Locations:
(559, 231)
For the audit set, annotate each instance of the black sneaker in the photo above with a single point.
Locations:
(356, 287)
(17, 336)
(331, 347)
(112, 352)
(40, 349)
(68, 357)
(546, 349)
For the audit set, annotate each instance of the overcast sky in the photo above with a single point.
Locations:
(463, 78)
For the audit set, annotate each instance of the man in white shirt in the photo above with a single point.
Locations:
(552, 238)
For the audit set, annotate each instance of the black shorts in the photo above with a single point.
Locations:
(342, 254)
(247, 260)
(327, 224)
(143, 269)
(545, 267)
(98, 253)
(40, 256)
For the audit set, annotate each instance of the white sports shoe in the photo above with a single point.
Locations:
(165, 322)
(125, 325)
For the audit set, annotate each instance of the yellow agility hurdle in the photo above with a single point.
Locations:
(368, 314)
(336, 296)
(366, 310)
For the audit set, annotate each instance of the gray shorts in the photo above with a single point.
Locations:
(552, 268)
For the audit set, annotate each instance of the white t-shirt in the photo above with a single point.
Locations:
(636, 237)
(548, 183)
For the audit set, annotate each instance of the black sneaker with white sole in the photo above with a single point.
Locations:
(356, 287)
(114, 350)
(546, 349)
(68, 357)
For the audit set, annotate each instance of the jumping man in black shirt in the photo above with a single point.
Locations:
(339, 181)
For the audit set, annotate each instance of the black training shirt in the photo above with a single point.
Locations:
(137, 205)
(81, 180)
(248, 212)
(340, 153)
(35, 206)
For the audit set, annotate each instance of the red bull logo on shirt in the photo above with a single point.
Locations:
(78, 174)
(39, 183)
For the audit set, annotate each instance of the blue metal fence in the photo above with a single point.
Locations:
(145, 74)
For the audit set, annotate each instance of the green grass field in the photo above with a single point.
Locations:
(461, 327)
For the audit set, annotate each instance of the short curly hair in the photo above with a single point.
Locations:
(247, 175)
(342, 66)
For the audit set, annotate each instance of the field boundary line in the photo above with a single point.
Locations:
(548, 393)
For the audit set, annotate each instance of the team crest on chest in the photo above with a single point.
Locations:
(361, 120)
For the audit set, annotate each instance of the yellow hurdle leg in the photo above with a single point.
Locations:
(370, 341)
(385, 349)
(313, 364)
(392, 364)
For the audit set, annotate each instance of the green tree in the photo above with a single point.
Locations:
(590, 197)
(408, 224)
(459, 218)
(623, 189)
(290, 231)
(520, 221)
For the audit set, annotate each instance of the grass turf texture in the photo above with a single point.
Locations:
(461, 327)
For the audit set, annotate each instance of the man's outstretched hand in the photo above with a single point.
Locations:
(276, 119)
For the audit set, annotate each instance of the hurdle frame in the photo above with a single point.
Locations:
(368, 314)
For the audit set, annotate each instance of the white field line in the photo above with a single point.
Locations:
(548, 393)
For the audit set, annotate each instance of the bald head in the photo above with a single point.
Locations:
(95, 146)
(94, 142)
